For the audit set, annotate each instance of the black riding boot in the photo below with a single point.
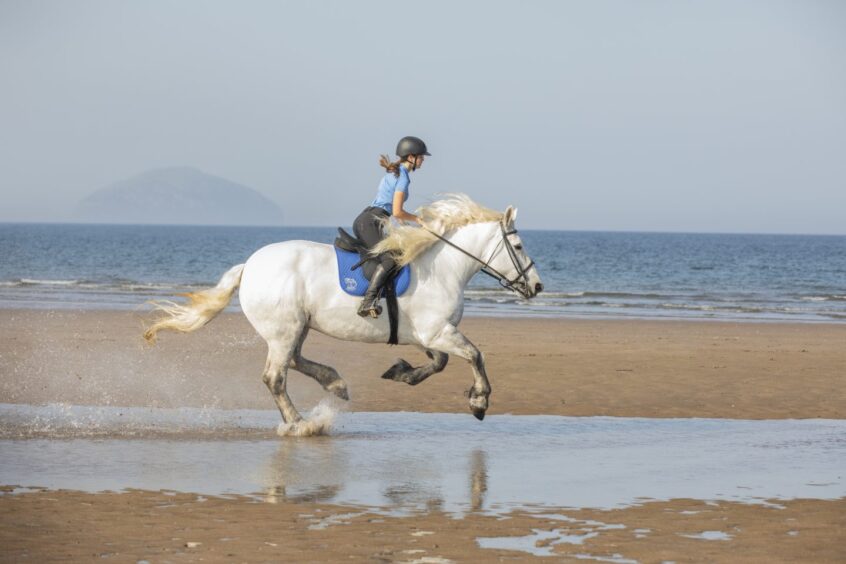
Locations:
(370, 303)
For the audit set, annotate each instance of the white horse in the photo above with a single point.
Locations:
(290, 287)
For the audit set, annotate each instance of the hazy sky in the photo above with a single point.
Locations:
(627, 115)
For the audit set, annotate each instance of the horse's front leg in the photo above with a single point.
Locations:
(452, 341)
(402, 371)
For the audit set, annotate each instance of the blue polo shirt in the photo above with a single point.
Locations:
(389, 185)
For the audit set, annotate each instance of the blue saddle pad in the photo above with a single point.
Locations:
(354, 283)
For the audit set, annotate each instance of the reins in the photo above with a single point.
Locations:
(504, 281)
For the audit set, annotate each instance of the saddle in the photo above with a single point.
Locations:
(355, 268)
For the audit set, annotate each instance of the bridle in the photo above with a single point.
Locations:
(519, 283)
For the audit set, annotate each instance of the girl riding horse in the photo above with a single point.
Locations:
(392, 194)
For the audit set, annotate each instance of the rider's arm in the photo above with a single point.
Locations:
(398, 212)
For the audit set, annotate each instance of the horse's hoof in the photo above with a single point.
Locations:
(340, 391)
(478, 405)
(397, 371)
(288, 429)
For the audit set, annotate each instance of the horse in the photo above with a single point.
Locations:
(291, 287)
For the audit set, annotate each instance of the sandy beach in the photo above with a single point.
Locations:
(619, 368)
(636, 368)
(157, 527)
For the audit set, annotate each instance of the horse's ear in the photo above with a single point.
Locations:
(510, 215)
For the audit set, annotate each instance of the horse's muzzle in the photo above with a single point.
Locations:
(529, 292)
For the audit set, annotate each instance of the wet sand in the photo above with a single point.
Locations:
(632, 368)
(158, 527)
(536, 366)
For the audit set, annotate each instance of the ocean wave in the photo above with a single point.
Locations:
(577, 294)
(725, 309)
(144, 287)
(36, 282)
(646, 295)
(810, 305)
(710, 308)
(588, 297)
(502, 292)
(826, 298)
(121, 285)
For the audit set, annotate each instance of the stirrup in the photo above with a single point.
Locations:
(373, 310)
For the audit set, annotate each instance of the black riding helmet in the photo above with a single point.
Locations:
(411, 146)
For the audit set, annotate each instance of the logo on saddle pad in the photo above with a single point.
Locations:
(353, 281)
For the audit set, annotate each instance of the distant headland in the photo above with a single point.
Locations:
(178, 195)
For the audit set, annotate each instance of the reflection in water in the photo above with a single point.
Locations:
(408, 461)
(408, 494)
(315, 470)
(290, 474)
(278, 494)
(478, 479)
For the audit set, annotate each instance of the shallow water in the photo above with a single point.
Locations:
(411, 461)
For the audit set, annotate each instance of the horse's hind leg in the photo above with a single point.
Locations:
(279, 355)
(326, 376)
(402, 371)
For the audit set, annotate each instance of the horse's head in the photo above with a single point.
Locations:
(488, 237)
(509, 261)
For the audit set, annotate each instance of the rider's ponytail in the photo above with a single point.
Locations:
(392, 167)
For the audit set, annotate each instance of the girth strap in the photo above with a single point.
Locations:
(393, 310)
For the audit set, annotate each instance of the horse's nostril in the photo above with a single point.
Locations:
(538, 288)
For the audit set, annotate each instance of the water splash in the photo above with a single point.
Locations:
(318, 422)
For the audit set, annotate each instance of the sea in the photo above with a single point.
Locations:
(740, 277)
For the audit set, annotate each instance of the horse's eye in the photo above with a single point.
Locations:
(518, 247)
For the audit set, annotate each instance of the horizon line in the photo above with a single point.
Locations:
(264, 226)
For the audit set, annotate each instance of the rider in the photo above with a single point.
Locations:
(392, 194)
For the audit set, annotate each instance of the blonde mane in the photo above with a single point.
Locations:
(408, 242)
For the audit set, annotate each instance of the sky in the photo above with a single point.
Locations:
(717, 116)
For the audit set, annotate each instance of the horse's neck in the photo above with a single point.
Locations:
(452, 267)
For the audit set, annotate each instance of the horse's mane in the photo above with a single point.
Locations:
(407, 242)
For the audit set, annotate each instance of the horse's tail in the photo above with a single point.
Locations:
(202, 306)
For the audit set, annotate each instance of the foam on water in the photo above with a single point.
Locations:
(411, 461)
(317, 422)
(710, 535)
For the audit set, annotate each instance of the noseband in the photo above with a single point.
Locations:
(519, 283)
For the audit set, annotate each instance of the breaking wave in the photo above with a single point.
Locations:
(694, 304)
(114, 285)
(755, 277)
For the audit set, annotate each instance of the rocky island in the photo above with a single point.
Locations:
(178, 195)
